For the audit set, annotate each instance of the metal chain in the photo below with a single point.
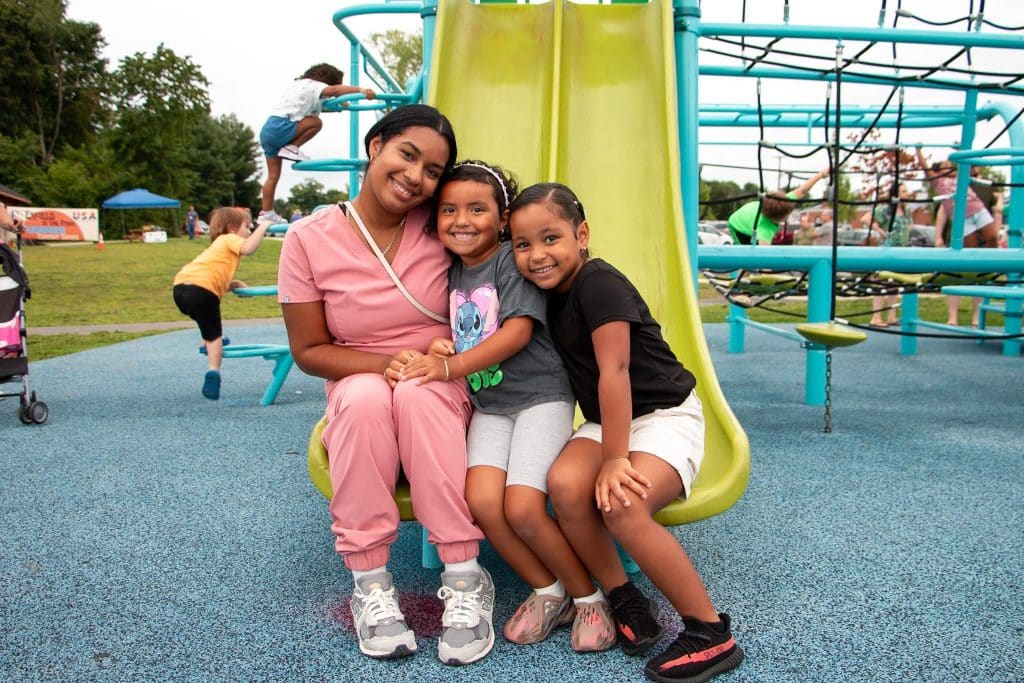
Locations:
(828, 389)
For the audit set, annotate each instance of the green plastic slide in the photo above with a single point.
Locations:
(585, 95)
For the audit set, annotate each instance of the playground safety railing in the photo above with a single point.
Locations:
(817, 262)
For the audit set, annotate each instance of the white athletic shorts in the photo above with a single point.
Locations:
(676, 435)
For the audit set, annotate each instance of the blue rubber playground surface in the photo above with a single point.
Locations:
(149, 534)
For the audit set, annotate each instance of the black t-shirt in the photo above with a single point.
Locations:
(599, 295)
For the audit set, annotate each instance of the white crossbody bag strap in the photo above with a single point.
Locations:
(351, 210)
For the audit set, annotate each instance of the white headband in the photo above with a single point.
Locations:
(501, 183)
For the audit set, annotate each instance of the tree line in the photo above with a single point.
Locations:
(74, 132)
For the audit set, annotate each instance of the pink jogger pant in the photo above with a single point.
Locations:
(373, 430)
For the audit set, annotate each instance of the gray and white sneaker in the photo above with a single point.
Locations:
(270, 216)
(292, 153)
(379, 622)
(467, 632)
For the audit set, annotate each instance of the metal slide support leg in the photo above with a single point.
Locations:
(819, 310)
(908, 343)
(1012, 325)
(627, 562)
(283, 363)
(736, 331)
(428, 552)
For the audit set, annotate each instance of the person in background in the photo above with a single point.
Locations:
(296, 216)
(774, 209)
(9, 226)
(989, 195)
(191, 219)
(294, 120)
(814, 232)
(980, 229)
(202, 283)
(888, 225)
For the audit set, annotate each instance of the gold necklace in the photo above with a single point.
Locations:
(394, 237)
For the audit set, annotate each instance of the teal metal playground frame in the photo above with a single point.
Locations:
(819, 262)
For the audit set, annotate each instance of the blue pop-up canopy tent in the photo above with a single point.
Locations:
(140, 198)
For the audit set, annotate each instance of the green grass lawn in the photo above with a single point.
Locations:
(131, 283)
(77, 284)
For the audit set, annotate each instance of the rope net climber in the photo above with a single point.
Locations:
(877, 61)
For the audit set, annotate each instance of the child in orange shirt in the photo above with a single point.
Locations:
(200, 285)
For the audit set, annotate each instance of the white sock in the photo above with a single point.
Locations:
(596, 596)
(356, 574)
(556, 589)
(467, 567)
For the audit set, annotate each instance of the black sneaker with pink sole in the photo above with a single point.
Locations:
(701, 652)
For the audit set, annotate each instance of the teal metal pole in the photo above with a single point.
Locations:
(909, 311)
(353, 121)
(819, 310)
(687, 31)
(1014, 308)
(736, 332)
(963, 172)
(357, 53)
(429, 15)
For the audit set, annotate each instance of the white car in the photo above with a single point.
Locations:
(713, 232)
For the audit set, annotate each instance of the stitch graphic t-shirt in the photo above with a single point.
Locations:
(480, 299)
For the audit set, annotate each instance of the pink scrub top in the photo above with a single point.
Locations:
(324, 259)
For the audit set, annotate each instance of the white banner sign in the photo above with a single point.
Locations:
(75, 225)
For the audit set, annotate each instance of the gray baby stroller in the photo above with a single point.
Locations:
(14, 290)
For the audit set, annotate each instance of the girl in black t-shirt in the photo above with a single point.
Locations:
(641, 445)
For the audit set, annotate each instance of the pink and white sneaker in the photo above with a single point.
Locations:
(593, 630)
(537, 617)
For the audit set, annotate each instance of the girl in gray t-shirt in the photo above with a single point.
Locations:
(523, 404)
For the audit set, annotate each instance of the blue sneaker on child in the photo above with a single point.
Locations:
(202, 349)
(211, 385)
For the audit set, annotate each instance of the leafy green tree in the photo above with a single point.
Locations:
(308, 195)
(401, 53)
(222, 156)
(82, 176)
(160, 99)
(51, 79)
(719, 192)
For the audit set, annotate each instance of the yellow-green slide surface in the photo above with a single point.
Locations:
(585, 95)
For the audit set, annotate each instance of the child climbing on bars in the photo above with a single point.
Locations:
(294, 121)
(200, 285)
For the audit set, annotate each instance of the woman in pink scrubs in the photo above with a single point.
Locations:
(349, 323)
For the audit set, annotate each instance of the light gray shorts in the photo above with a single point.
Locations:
(976, 221)
(676, 435)
(524, 444)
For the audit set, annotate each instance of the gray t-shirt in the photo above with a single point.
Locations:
(480, 299)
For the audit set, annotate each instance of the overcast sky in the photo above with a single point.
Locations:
(249, 51)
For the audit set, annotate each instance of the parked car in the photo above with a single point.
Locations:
(787, 229)
(713, 232)
(202, 228)
(849, 236)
